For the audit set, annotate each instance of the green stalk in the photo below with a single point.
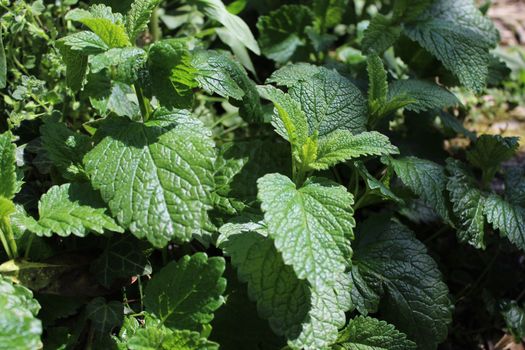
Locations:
(5, 227)
(144, 110)
(6, 246)
(156, 34)
(28, 246)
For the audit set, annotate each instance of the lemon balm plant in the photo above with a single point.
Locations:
(170, 180)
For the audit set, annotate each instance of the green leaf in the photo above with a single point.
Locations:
(490, 151)
(509, 219)
(76, 66)
(311, 225)
(216, 10)
(426, 179)
(308, 318)
(408, 10)
(171, 73)
(71, 209)
(64, 148)
(366, 333)
(3, 64)
(237, 47)
(341, 145)
(115, 98)
(331, 102)
(239, 313)
(217, 72)
(8, 181)
(329, 13)
(381, 34)
(377, 81)
(86, 42)
(515, 186)
(289, 120)
(239, 166)
(451, 122)
(282, 32)
(468, 204)
(105, 316)
(514, 317)
(185, 294)
(377, 187)
(138, 16)
(396, 266)
(155, 338)
(292, 74)
(101, 20)
(425, 95)
(155, 176)
(457, 34)
(123, 257)
(124, 63)
(19, 327)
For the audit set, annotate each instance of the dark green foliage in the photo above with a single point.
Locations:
(169, 180)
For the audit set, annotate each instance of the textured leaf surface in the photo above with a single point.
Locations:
(7, 166)
(377, 187)
(123, 257)
(308, 318)
(377, 80)
(426, 95)
(171, 73)
(329, 13)
(185, 294)
(239, 166)
(514, 317)
(153, 338)
(71, 209)
(76, 66)
(380, 34)
(366, 333)
(426, 179)
(459, 36)
(507, 218)
(292, 74)
(124, 63)
(311, 225)
(156, 177)
(138, 16)
(331, 102)
(64, 148)
(105, 316)
(515, 186)
(19, 327)
(86, 42)
(396, 266)
(104, 23)
(468, 204)
(341, 145)
(219, 73)
(289, 120)
(282, 31)
(491, 150)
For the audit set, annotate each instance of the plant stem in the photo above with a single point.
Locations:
(28, 246)
(6, 246)
(144, 110)
(5, 227)
(154, 26)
